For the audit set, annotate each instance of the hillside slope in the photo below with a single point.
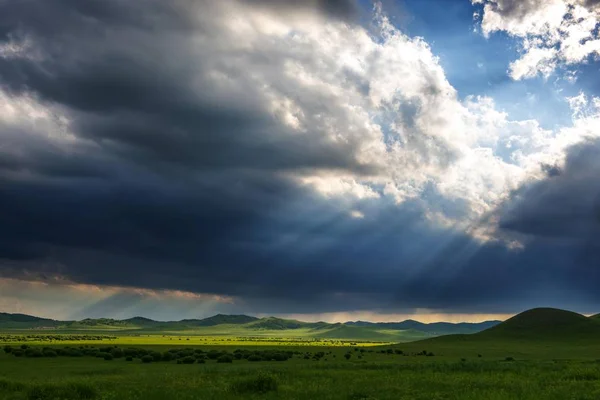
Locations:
(220, 319)
(545, 323)
(539, 325)
(435, 328)
(246, 326)
(23, 321)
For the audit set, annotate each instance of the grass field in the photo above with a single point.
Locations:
(543, 355)
(505, 370)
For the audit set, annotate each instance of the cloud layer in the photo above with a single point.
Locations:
(282, 155)
(553, 33)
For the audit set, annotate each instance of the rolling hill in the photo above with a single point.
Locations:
(435, 328)
(248, 326)
(220, 319)
(538, 327)
(277, 324)
(541, 333)
(23, 321)
(540, 323)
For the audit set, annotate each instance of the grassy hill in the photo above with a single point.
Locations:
(545, 323)
(541, 333)
(220, 319)
(278, 324)
(540, 324)
(23, 321)
(546, 328)
(246, 326)
(435, 328)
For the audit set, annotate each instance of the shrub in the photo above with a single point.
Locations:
(128, 358)
(117, 352)
(8, 349)
(214, 354)
(254, 358)
(50, 353)
(201, 361)
(141, 353)
(130, 352)
(200, 357)
(188, 360)
(399, 352)
(509, 359)
(147, 359)
(263, 383)
(279, 357)
(36, 353)
(108, 356)
(347, 356)
(225, 358)
(166, 356)
(18, 353)
(77, 353)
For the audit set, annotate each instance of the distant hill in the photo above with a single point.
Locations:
(23, 321)
(223, 319)
(435, 328)
(141, 321)
(273, 323)
(244, 325)
(596, 317)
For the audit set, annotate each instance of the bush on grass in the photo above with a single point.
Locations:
(262, 383)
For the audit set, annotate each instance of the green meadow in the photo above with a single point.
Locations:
(540, 354)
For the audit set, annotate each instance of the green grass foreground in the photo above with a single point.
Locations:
(454, 369)
(544, 354)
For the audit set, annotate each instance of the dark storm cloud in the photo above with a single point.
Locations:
(564, 205)
(170, 184)
(592, 3)
(166, 185)
(517, 9)
(344, 9)
(124, 81)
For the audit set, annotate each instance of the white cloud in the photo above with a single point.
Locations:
(386, 97)
(553, 32)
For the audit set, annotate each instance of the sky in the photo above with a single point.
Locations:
(320, 159)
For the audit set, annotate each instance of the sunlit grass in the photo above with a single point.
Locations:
(181, 340)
